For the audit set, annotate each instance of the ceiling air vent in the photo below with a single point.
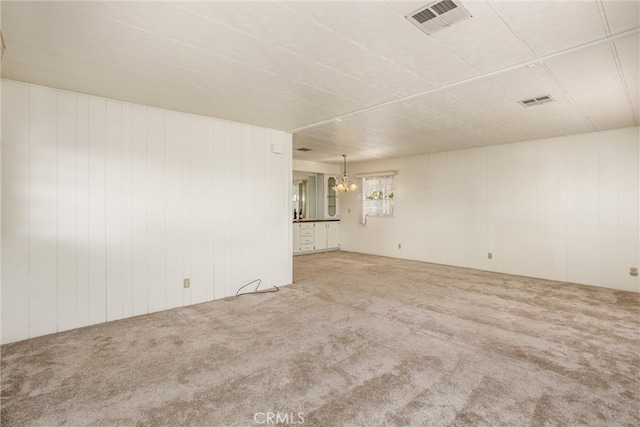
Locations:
(536, 101)
(304, 149)
(438, 15)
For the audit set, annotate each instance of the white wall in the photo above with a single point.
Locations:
(562, 208)
(317, 167)
(1, 174)
(107, 206)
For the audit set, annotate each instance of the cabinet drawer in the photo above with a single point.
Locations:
(306, 247)
(305, 226)
(306, 232)
(307, 240)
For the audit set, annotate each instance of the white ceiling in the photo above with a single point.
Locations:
(297, 66)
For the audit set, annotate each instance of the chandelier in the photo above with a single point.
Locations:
(344, 184)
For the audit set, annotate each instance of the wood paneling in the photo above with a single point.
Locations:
(173, 209)
(156, 252)
(97, 211)
(527, 208)
(560, 208)
(197, 210)
(127, 211)
(15, 212)
(113, 210)
(602, 208)
(67, 211)
(82, 211)
(139, 209)
(107, 206)
(43, 223)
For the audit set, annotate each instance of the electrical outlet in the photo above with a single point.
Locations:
(186, 283)
(399, 245)
(490, 255)
(633, 271)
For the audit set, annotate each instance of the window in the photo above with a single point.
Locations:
(378, 195)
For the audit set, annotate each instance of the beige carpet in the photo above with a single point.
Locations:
(356, 340)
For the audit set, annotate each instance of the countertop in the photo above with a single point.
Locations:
(315, 220)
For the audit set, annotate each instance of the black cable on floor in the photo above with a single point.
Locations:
(256, 291)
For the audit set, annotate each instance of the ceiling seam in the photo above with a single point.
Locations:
(521, 40)
(473, 107)
(436, 41)
(623, 81)
(352, 41)
(178, 67)
(603, 17)
(606, 39)
(207, 18)
(517, 35)
(568, 95)
(426, 127)
(218, 55)
(550, 73)
(616, 59)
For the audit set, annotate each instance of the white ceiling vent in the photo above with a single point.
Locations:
(536, 101)
(438, 15)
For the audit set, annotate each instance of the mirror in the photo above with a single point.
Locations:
(308, 194)
(314, 196)
(299, 198)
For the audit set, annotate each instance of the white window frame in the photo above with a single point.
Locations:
(386, 201)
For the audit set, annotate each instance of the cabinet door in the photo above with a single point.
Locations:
(331, 205)
(333, 235)
(296, 238)
(320, 236)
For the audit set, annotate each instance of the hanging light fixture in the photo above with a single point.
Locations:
(344, 184)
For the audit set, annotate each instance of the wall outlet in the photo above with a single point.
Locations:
(186, 283)
(489, 255)
(399, 245)
(633, 271)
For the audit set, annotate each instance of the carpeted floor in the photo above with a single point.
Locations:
(356, 340)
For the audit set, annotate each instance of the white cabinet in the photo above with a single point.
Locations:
(307, 237)
(314, 196)
(327, 235)
(316, 236)
(303, 237)
(296, 238)
(333, 234)
(321, 236)
(331, 197)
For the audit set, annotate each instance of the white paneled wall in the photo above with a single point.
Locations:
(527, 208)
(108, 206)
(563, 208)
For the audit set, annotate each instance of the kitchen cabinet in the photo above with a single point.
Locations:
(333, 234)
(316, 236)
(331, 200)
(313, 196)
(327, 235)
